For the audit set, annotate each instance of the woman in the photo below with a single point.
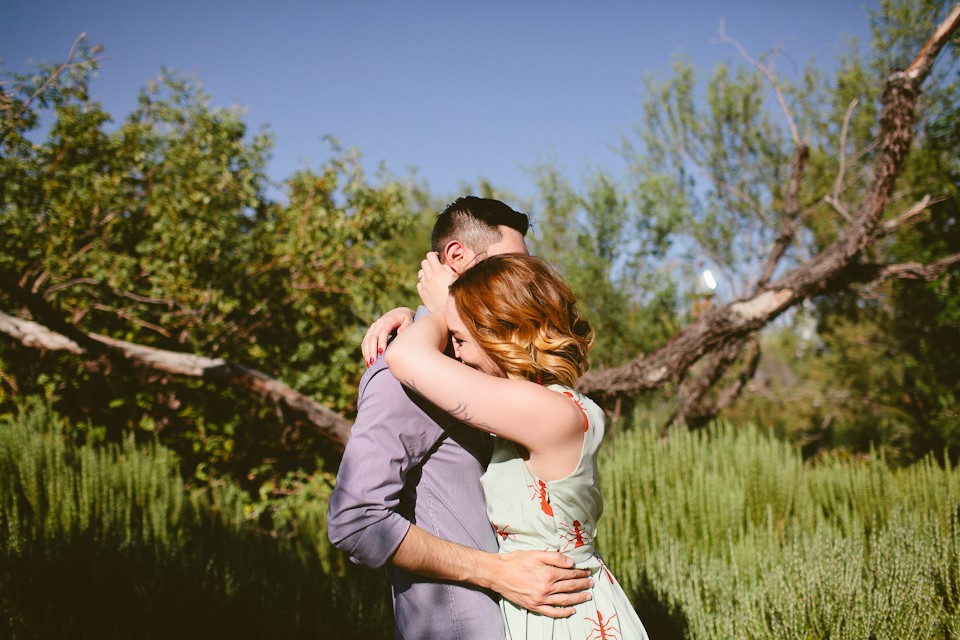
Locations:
(521, 348)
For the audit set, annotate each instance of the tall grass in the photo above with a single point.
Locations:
(728, 534)
(719, 534)
(108, 543)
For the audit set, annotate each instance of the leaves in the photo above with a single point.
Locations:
(159, 232)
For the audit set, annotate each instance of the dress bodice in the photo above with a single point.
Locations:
(532, 514)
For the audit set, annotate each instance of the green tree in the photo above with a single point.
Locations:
(159, 233)
(603, 248)
(786, 188)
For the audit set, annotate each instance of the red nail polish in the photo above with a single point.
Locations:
(380, 351)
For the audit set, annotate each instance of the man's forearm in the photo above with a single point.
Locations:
(427, 555)
(541, 581)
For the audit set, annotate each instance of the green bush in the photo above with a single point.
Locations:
(108, 543)
(729, 534)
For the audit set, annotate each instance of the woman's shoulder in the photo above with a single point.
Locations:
(591, 410)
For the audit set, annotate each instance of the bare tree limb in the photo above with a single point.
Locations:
(833, 199)
(732, 392)
(838, 184)
(47, 294)
(692, 392)
(770, 76)
(699, 413)
(839, 207)
(69, 64)
(37, 336)
(907, 217)
(878, 273)
(922, 64)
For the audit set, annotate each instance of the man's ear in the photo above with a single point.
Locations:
(456, 256)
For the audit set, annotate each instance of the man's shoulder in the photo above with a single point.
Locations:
(384, 402)
(378, 378)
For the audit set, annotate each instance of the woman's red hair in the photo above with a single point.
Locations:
(525, 317)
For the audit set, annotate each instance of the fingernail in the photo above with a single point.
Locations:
(590, 595)
(380, 351)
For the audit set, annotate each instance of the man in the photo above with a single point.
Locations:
(408, 494)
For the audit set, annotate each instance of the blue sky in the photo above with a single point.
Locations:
(457, 90)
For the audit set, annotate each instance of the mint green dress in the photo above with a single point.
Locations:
(561, 515)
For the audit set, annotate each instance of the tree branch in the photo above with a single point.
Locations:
(789, 217)
(693, 392)
(732, 392)
(38, 336)
(770, 76)
(877, 273)
(838, 184)
(69, 64)
(907, 217)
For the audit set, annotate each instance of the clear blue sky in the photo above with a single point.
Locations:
(459, 90)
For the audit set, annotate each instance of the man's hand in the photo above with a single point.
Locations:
(375, 341)
(433, 281)
(541, 581)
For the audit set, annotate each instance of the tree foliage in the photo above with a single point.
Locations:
(157, 231)
(770, 181)
(598, 240)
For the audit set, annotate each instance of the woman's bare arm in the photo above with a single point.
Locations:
(548, 424)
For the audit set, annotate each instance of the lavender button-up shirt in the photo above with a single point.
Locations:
(409, 462)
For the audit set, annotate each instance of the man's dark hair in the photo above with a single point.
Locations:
(473, 222)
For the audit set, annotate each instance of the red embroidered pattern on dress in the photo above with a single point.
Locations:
(605, 629)
(604, 565)
(503, 533)
(540, 493)
(576, 535)
(586, 422)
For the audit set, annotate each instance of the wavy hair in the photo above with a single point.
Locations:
(524, 316)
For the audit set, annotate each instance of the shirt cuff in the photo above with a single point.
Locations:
(373, 546)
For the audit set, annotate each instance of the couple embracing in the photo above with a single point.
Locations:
(457, 516)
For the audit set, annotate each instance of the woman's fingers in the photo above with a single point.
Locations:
(378, 335)
(434, 281)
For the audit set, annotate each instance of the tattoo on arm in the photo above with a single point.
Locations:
(461, 413)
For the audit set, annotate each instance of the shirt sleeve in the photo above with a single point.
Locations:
(391, 436)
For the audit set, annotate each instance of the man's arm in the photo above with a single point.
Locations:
(364, 522)
(541, 581)
(363, 519)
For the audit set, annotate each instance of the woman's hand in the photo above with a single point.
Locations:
(375, 341)
(433, 281)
